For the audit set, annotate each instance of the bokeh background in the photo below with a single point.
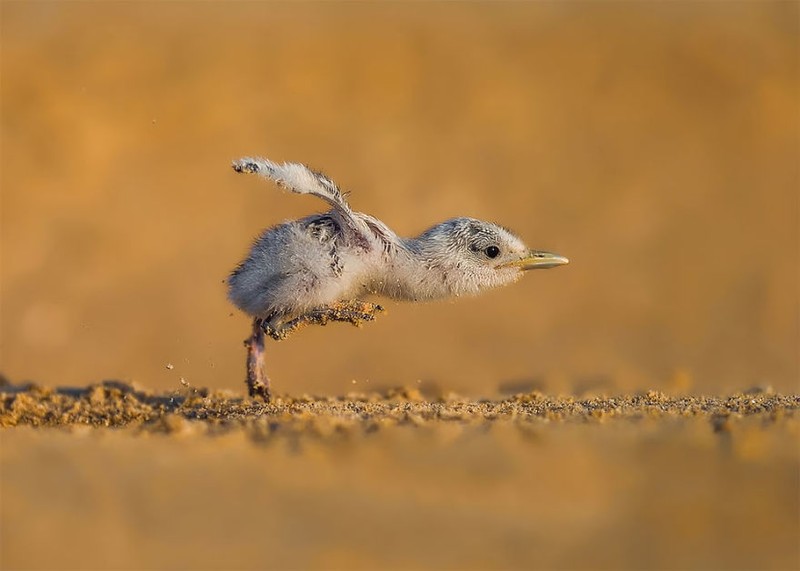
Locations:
(654, 144)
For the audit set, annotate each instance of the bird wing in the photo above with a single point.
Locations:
(300, 179)
(296, 178)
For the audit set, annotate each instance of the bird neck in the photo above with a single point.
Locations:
(420, 271)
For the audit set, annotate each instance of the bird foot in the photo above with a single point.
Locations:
(257, 380)
(352, 311)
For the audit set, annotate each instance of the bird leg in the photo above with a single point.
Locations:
(257, 380)
(354, 311)
(351, 311)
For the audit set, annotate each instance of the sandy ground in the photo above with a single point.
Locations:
(111, 476)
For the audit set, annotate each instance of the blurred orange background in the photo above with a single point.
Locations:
(654, 144)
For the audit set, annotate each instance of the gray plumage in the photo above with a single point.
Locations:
(303, 266)
(342, 255)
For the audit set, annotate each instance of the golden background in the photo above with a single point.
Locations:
(655, 145)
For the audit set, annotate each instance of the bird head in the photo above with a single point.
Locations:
(475, 255)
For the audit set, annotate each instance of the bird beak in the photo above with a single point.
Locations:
(536, 260)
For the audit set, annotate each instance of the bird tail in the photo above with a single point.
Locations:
(296, 178)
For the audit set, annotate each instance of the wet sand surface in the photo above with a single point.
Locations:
(111, 476)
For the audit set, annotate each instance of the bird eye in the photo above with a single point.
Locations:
(492, 251)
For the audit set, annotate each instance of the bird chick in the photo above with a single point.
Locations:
(319, 268)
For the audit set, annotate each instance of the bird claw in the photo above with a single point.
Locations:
(276, 332)
(354, 312)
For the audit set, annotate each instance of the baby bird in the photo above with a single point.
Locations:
(319, 268)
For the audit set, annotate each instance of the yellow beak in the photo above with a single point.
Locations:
(536, 260)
